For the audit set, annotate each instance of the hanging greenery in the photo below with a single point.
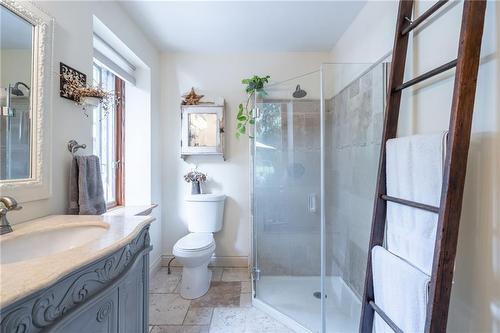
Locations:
(254, 86)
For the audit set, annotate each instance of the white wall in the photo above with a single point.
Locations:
(15, 66)
(217, 75)
(73, 46)
(475, 305)
(137, 151)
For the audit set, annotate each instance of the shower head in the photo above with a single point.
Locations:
(299, 93)
(16, 91)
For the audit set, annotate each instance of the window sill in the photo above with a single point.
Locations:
(131, 210)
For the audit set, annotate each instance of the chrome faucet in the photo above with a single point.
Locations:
(9, 204)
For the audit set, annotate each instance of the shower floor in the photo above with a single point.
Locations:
(293, 297)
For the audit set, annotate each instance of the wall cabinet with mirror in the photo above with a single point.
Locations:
(202, 129)
(25, 92)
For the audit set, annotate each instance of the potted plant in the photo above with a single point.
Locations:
(246, 115)
(196, 178)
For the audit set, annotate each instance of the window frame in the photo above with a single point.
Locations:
(118, 109)
(120, 142)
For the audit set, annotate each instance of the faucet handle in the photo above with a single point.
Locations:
(10, 203)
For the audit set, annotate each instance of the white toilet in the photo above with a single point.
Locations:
(205, 214)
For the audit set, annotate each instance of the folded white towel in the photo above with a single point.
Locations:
(414, 171)
(401, 291)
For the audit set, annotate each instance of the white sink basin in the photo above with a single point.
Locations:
(46, 242)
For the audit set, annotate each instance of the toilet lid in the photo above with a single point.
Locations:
(195, 241)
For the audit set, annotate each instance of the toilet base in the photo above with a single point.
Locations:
(195, 281)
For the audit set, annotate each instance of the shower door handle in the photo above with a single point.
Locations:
(256, 114)
(312, 203)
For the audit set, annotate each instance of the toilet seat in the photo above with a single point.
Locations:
(195, 242)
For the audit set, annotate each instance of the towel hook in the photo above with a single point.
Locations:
(73, 146)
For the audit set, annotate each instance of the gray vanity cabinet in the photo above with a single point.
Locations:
(100, 316)
(131, 301)
(106, 296)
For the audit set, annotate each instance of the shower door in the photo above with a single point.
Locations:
(310, 259)
(286, 199)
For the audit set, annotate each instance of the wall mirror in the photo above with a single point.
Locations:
(25, 93)
(202, 130)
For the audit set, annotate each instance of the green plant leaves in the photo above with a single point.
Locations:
(254, 85)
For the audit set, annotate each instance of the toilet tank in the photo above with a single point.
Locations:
(205, 212)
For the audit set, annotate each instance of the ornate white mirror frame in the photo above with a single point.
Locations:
(38, 186)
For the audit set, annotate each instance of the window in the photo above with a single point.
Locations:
(108, 136)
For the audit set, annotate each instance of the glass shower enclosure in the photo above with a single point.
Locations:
(314, 158)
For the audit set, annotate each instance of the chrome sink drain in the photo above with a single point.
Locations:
(317, 294)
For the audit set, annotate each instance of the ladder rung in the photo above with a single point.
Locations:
(410, 203)
(386, 318)
(425, 76)
(423, 17)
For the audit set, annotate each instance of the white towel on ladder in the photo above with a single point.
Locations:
(414, 171)
(401, 291)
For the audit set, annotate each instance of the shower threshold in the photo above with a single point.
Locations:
(291, 300)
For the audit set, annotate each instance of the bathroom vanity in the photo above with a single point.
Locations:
(62, 273)
(76, 274)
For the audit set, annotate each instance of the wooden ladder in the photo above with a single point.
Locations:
(467, 64)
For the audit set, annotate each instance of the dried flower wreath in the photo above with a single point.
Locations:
(81, 93)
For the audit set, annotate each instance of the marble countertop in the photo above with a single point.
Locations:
(19, 279)
(130, 210)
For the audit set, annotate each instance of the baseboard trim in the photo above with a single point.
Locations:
(155, 265)
(216, 261)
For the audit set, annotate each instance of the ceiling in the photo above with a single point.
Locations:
(243, 26)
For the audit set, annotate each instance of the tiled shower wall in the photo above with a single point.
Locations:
(353, 129)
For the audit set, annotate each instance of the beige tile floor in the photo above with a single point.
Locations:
(226, 308)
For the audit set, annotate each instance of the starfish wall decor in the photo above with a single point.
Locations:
(191, 98)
